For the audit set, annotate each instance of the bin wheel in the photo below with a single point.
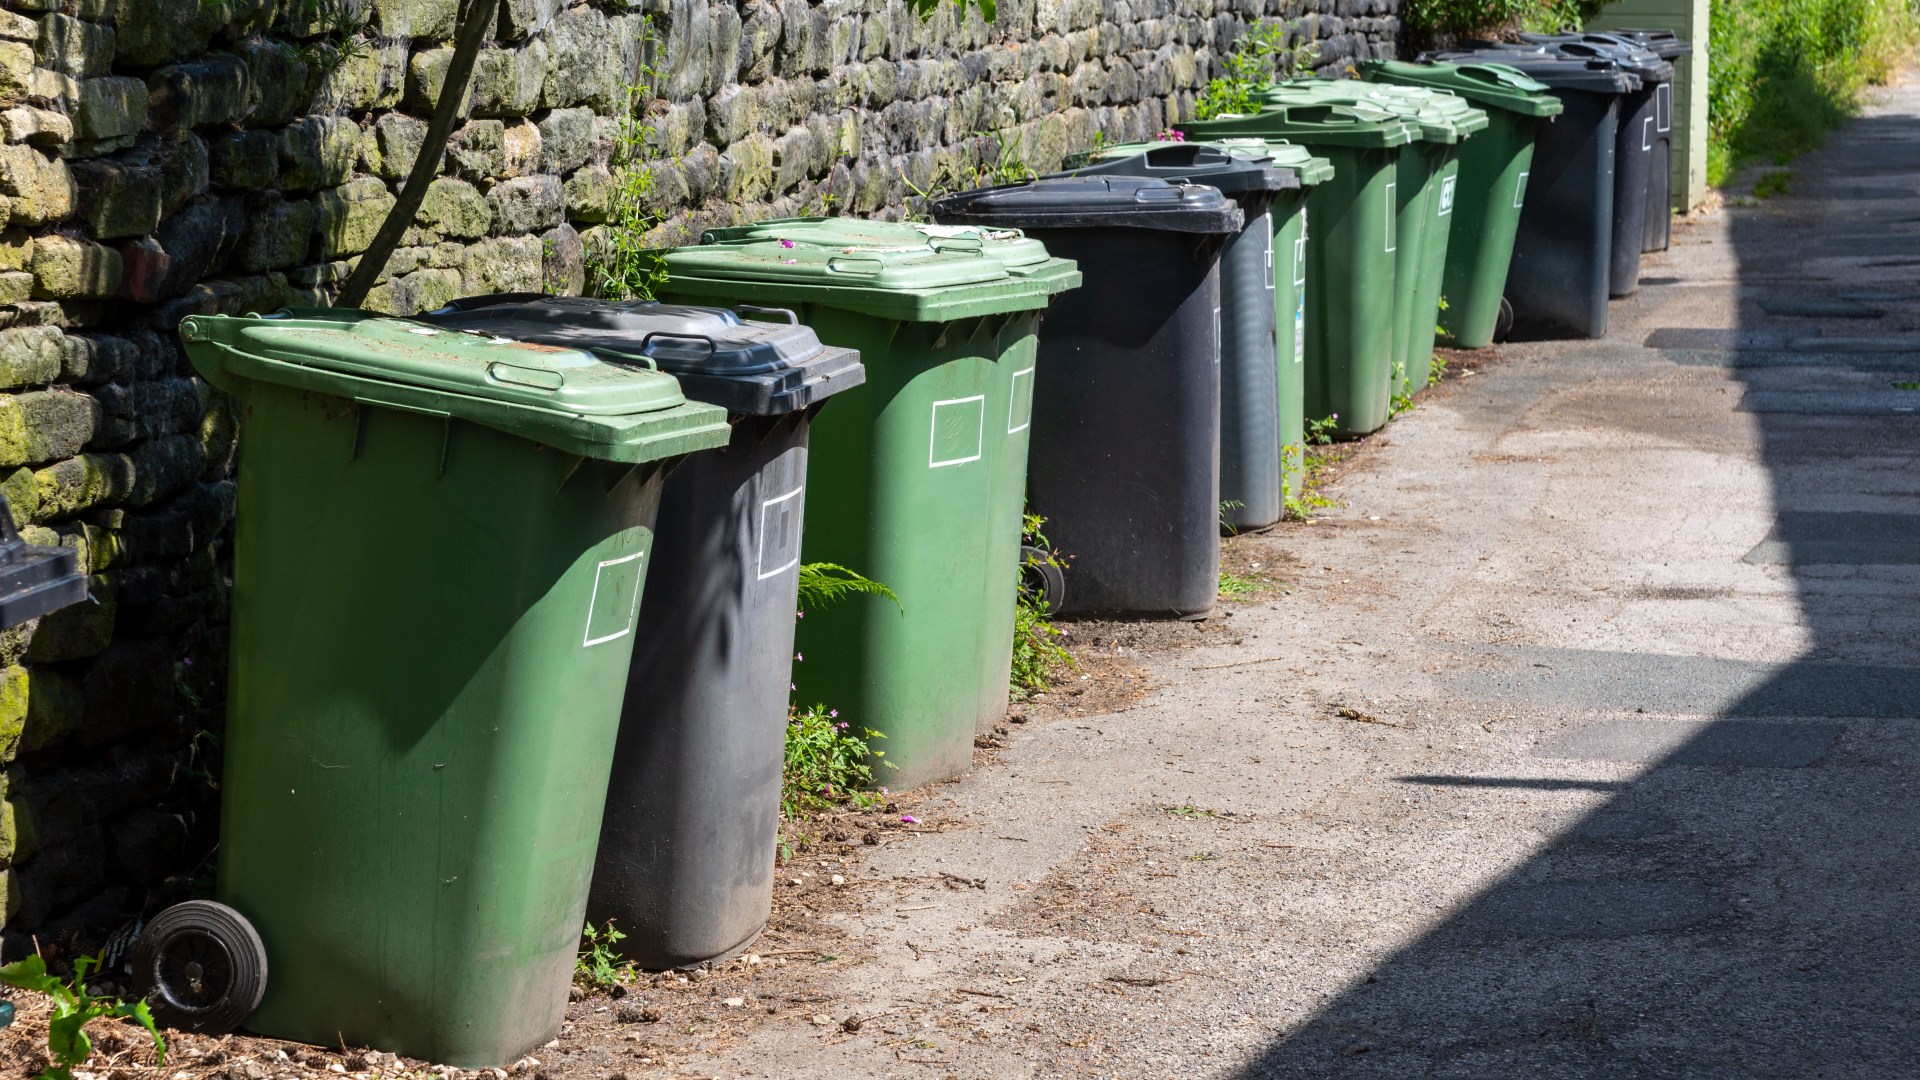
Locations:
(1041, 578)
(201, 967)
(1503, 325)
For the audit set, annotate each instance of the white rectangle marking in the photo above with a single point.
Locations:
(934, 460)
(777, 516)
(1015, 422)
(633, 605)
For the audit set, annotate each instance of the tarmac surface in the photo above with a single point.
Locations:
(1579, 740)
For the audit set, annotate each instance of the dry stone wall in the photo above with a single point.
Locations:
(160, 158)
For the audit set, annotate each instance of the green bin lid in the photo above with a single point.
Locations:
(563, 398)
(1311, 124)
(882, 278)
(1279, 154)
(1493, 86)
(1443, 117)
(1013, 249)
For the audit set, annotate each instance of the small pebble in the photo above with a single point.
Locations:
(734, 1002)
(839, 880)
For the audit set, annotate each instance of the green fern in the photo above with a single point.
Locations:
(824, 583)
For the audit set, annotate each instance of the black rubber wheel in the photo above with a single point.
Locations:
(1040, 578)
(201, 967)
(1503, 326)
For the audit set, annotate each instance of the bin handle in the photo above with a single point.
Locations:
(668, 335)
(841, 264)
(793, 319)
(437, 414)
(970, 244)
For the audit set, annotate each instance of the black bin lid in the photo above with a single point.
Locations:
(1593, 75)
(1094, 202)
(1666, 44)
(1636, 60)
(35, 580)
(764, 366)
(1252, 180)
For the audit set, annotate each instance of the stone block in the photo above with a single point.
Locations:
(46, 425)
(17, 27)
(13, 720)
(65, 267)
(276, 81)
(247, 160)
(478, 150)
(148, 844)
(502, 264)
(347, 217)
(508, 82)
(455, 208)
(318, 152)
(210, 90)
(16, 286)
(563, 261)
(197, 241)
(118, 198)
(41, 127)
(590, 194)
(41, 186)
(566, 140)
(149, 33)
(75, 46)
(426, 74)
(432, 20)
(394, 142)
(54, 709)
(111, 107)
(373, 77)
(527, 204)
(582, 64)
(279, 234)
(792, 159)
(129, 689)
(520, 150)
(746, 169)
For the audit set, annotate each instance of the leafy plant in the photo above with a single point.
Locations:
(1236, 586)
(1436, 369)
(823, 583)
(1227, 507)
(1006, 163)
(1437, 22)
(1402, 397)
(1777, 182)
(1783, 73)
(926, 8)
(598, 964)
(1038, 652)
(73, 1007)
(1258, 57)
(1320, 432)
(827, 762)
(625, 264)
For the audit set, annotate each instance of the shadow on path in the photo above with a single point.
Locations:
(1747, 904)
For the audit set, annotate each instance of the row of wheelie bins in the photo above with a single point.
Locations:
(514, 581)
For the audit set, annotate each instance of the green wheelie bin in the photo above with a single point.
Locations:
(1011, 395)
(439, 549)
(1493, 183)
(1351, 228)
(907, 475)
(1428, 177)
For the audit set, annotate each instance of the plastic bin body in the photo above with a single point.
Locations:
(1010, 394)
(1493, 168)
(1561, 274)
(903, 475)
(1251, 447)
(1290, 315)
(417, 595)
(686, 858)
(1125, 464)
(1352, 235)
(1637, 184)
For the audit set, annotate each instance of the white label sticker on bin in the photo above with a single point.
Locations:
(1393, 217)
(959, 431)
(1446, 195)
(1520, 191)
(1272, 279)
(780, 534)
(615, 600)
(1020, 402)
(1300, 293)
(1663, 106)
(1646, 133)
